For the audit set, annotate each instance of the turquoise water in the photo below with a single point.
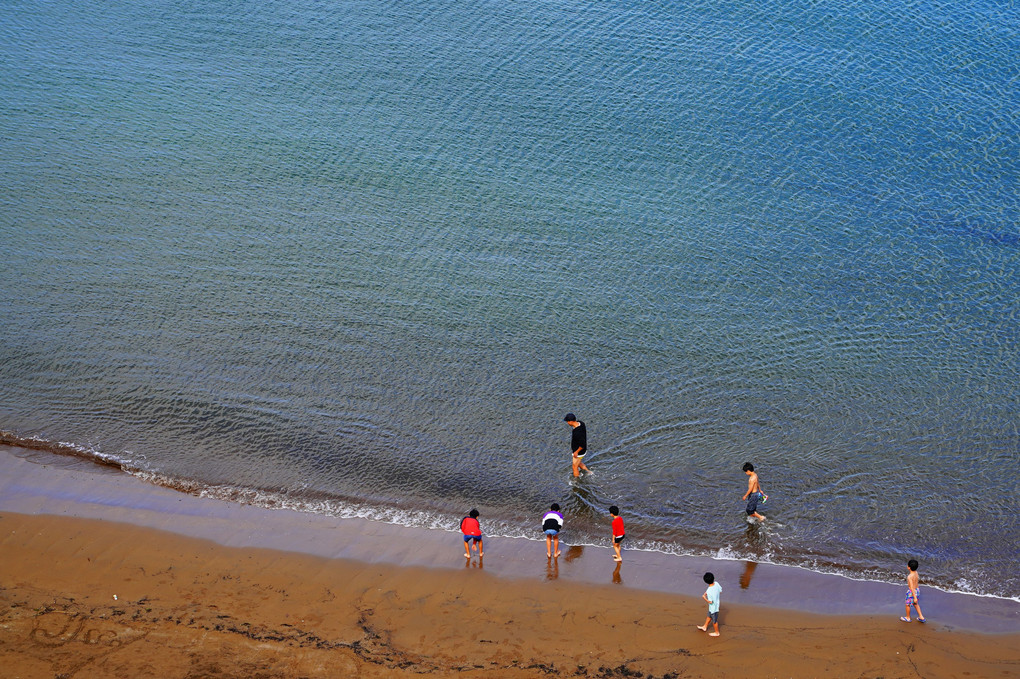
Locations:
(360, 258)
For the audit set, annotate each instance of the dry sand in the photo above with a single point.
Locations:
(102, 597)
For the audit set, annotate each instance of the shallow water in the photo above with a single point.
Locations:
(361, 258)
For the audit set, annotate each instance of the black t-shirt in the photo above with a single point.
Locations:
(579, 439)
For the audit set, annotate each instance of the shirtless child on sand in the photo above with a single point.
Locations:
(753, 494)
(913, 591)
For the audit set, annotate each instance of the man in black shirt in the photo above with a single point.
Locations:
(578, 443)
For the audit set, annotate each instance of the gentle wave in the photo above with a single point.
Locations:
(90, 454)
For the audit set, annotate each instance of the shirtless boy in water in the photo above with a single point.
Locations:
(753, 494)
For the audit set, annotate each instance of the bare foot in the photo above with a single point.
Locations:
(558, 553)
(713, 634)
(703, 629)
(616, 558)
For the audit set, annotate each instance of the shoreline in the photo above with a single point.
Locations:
(72, 456)
(106, 575)
(33, 482)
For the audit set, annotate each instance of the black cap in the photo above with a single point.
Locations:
(570, 418)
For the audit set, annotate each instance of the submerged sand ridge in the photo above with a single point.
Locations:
(98, 581)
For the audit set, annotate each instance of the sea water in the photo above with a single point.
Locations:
(360, 258)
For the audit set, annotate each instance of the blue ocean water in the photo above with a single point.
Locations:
(362, 257)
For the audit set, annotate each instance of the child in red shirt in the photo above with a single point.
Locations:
(618, 534)
(472, 530)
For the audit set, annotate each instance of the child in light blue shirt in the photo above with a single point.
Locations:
(712, 595)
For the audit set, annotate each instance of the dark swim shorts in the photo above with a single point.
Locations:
(752, 503)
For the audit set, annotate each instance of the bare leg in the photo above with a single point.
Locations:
(704, 628)
(467, 549)
(480, 552)
(556, 545)
(548, 546)
(616, 548)
(575, 463)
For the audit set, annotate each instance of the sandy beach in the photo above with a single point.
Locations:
(104, 575)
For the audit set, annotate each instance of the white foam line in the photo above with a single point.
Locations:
(436, 521)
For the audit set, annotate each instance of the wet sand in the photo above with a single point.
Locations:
(104, 575)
